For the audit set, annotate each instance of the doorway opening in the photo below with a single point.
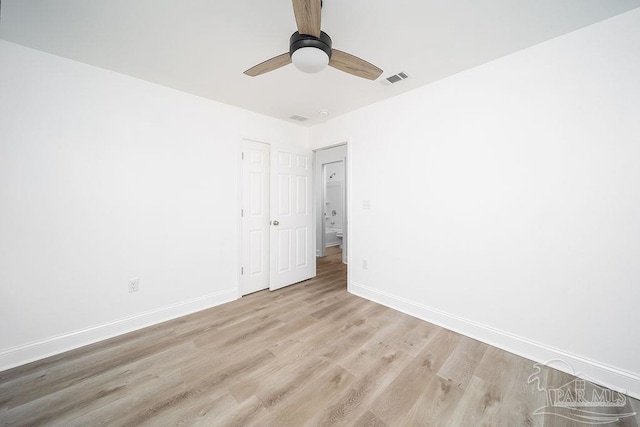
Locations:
(330, 190)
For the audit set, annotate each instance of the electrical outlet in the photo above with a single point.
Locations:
(365, 264)
(366, 204)
(134, 285)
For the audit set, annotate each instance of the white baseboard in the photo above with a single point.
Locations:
(20, 355)
(596, 372)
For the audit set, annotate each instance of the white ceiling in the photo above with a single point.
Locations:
(203, 46)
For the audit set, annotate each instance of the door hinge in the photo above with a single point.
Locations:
(242, 212)
(243, 155)
(241, 270)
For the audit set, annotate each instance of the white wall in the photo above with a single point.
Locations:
(104, 178)
(514, 193)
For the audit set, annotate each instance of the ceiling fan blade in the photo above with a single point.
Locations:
(353, 65)
(308, 16)
(269, 65)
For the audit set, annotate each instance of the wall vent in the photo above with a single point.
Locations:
(395, 78)
(299, 118)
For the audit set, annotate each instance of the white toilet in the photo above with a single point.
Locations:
(339, 236)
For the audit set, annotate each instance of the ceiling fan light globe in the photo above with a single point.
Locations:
(310, 59)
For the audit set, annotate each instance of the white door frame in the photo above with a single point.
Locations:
(347, 203)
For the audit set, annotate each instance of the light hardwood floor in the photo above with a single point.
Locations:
(310, 354)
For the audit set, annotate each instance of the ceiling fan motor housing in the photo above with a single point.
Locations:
(298, 41)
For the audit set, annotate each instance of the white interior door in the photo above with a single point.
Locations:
(255, 217)
(292, 221)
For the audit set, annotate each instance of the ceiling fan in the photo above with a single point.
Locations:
(310, 49)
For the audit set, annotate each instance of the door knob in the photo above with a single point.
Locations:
(276, 222)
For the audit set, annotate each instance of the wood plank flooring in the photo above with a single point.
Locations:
(309, 354)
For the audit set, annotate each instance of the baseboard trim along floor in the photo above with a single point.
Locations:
(40, 349)
(596, 372)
